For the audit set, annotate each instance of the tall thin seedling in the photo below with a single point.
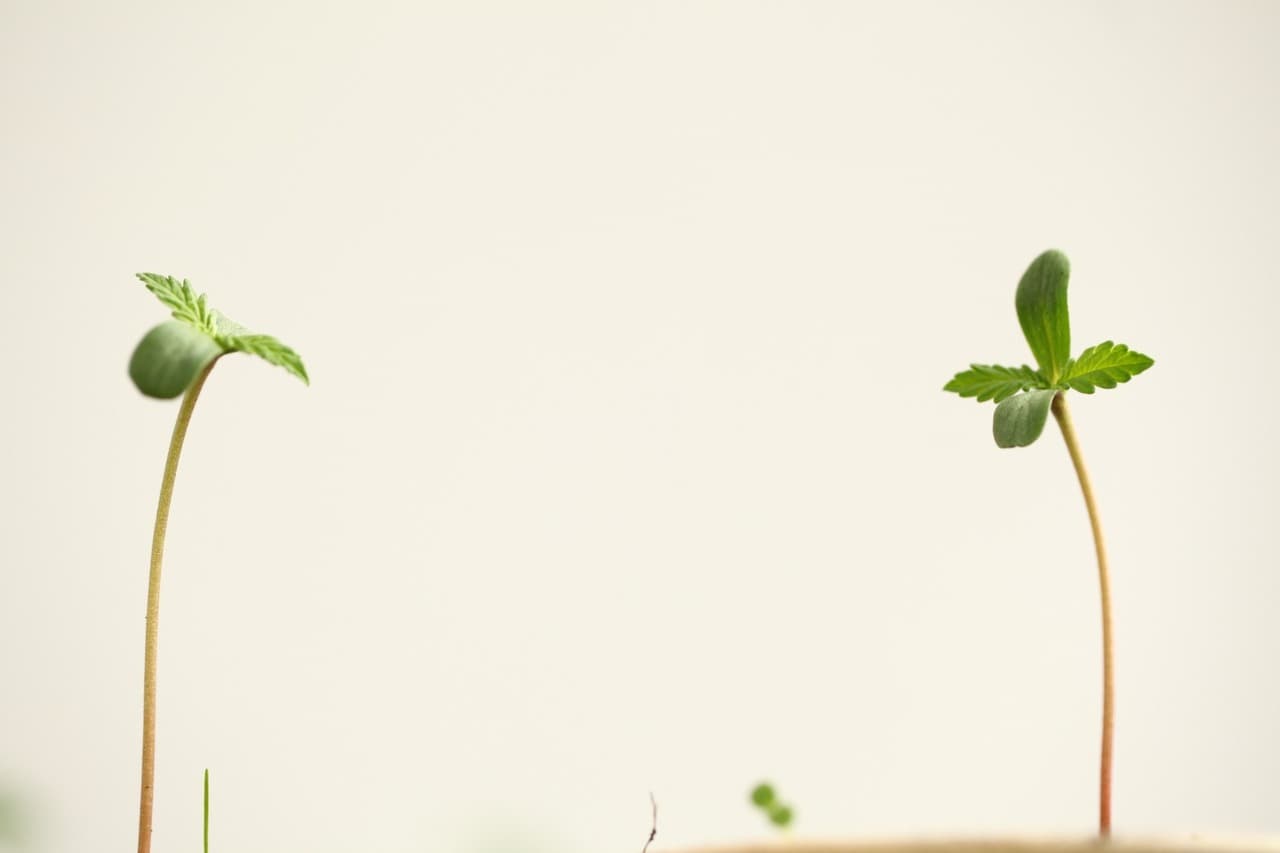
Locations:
(172, 359)
(1024, 398)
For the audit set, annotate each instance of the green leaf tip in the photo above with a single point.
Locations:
(993, 382)
(182, 301)
(270, 350)
(171, 355)
(1041, 302)
(1105, 366)
(1020, 420)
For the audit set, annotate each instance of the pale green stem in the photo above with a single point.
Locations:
(1063, 416)
(206, 810)
(153, 610)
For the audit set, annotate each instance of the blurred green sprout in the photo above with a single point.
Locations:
(765, 798)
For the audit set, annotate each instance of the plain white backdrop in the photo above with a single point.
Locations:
(626, 465)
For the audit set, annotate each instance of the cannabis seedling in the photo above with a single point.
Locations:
(1024, 398)
(766, 800)
(175, 358)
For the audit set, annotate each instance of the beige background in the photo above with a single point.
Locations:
(626, 465)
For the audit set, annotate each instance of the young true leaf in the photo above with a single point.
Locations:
(1020, 419)
(186, 305)
(993, 381)
(1105, 366)
(1042, 312)
(269, 349)
(172, 354)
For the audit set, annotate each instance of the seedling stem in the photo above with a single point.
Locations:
(153, 609)
(173, 359)
(1062, 414)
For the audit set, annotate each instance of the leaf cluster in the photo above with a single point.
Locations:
(1024, 394)
(170, 356)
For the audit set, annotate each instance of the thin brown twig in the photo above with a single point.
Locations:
(653, 830)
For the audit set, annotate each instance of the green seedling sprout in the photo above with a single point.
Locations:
(175, 358)
(1025, 396)
(766, 800)
(206, 810)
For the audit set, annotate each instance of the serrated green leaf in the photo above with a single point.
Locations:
(182, 300)
(269, 349)
(1105, 366)
(994, 381)
(221, 332)
(1020, 419)
(1042, 312)
(169, 357)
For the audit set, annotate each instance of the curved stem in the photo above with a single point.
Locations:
(1063, 416)
(153, 610)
